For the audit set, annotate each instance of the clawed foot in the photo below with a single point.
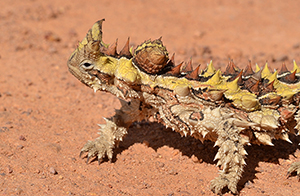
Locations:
(97, 148)
(217, 185)
(295, 167)
(110, 134)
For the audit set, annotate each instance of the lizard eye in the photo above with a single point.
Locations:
(87, 65)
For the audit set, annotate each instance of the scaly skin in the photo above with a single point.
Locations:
(232, 109)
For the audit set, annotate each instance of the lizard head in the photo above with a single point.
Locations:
(83, 62)
(101, 67)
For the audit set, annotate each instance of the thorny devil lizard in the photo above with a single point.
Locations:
(233, 109)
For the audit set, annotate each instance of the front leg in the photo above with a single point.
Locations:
(114, 130)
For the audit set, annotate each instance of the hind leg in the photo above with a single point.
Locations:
(231, 155)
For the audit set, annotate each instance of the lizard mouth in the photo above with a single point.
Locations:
(74, 72)
(84, 78)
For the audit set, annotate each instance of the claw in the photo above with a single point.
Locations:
(100, 160)
(81, 153)
(87, 160)
(294, 168)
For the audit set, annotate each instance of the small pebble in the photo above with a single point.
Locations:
(146, 143)
(195, 159)
(52, 171)
(9, 170)
(18, 190)
(50, 36)
(297, 45)
(175, 153)
(160, 164)
(173, 172)
(22, 138)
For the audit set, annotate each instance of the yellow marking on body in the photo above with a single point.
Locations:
(126, 71)
(210, 70)
(266, 71)
(257, 68)
(96, 32)
(273, 77)
(215, 79)
(296, 67)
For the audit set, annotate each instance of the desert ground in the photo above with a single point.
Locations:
(47, 115)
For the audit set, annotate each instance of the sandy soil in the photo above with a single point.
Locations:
(46, 115)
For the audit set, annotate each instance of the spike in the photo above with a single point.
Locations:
(210, 70)
(296, 67)
(231, 68)
(95, 89)
(243, 152)
(81, 44)
(233, 86)
(271, 99)
(264, 138)
(283, 69)
(215, 95)
(94, 46)
(285, 137)
(182, 90)
(218, 156)
(172, 60)
(257, 75)
(244, 162)
(248, 70)
(125, 51)
(239, 76)
(216, 112)
(218, 142)
(204, 133)
(249, 102)
(236, 159)
(265, 71)
(111, 50)
(255, 87)
(226, 148)
(244, 124)
(273, 77)
(269, 122)
(175, 70)
(290, 78)
(245, 140)
(131, 50)
(185, 133)
(257, 68)
(95, 33)
(187, 68)
(270, 86)
(193, 74)
(215, 79)
(286, 114)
